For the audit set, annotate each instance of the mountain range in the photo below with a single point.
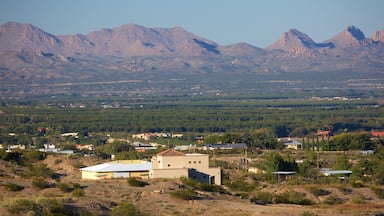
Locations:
(29, 54)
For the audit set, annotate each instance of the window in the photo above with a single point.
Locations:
(194, 162)
(169, 165)
(189, 162)
(199, 162)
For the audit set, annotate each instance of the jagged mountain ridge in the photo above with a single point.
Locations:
(134, 48)
(135, 40)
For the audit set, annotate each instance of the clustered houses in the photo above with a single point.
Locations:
(148, 136)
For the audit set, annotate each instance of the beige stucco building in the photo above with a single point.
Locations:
(174, 164)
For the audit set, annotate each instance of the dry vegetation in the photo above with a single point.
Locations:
(68, 194)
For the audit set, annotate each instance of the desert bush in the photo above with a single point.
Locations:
(360, 199)
(318, 191)
(40, 170)
(40, 183)
(63, 187)
(58, 161)
(262, 198)
(34, 156)
(308, 214)
(78, 192)
(185, 194)
(379, 192)
(136, 183)
(201, 186)
(292, 197)
(22, 206)
(125, 209)
(76, 186)
(77, 165)
(333, 200)
(344, 190)
(357, 184)
(13, 187)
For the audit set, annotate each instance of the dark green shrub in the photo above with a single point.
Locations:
(379, 192)
(63, 187)
(318, 191)
(40, 170)
(136, 183)
(34, 156)
(262, 198)
(22, 207)
(333, 200)
(76, 186)
(185, 194)
(13, 187)
(357, 184)
(125, 209)
(78, 192)
(40, 183)
(345, 190)
(292, 197)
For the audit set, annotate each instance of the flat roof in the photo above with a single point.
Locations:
(118, 167)
(284, 172)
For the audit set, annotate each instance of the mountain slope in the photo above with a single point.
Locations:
(351, 36)
(298, 43)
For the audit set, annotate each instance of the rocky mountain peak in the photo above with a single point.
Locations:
(378, 36)
(351, 36)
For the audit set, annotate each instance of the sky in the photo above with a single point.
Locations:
(257, 22)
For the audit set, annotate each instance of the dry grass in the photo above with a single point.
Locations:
(101, 196)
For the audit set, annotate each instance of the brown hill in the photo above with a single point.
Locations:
(351, 36)
(298, 43)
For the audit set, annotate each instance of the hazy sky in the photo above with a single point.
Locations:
(257, 22)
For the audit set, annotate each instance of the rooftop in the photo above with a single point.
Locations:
(170, 152)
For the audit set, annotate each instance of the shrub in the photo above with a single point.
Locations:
(63, 187)
(292, 197)
(76, 186)
(345, 190)
(262, 198)
(308, 214)
(78, 192)
(125, 209)
(34, 156)
(185, 194)
(379, 192)
(13, 187)
(333, 200)
(357, 184)
(319, 192)
(40, 183)
(136, 183)
(40, 170)
(22, 206)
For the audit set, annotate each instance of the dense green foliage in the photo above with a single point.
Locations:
(282, 118)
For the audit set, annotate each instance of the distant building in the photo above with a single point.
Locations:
(377, 134)
(290, 143)
(329, 172)
(322, 133)
(175, 164)
(227, 146)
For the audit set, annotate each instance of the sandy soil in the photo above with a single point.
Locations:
(101, 196)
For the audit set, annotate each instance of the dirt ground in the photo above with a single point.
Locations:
(155, 199)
